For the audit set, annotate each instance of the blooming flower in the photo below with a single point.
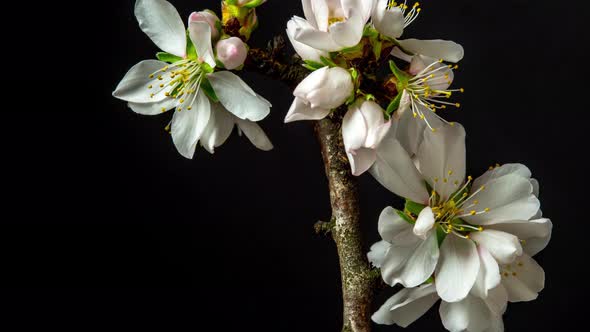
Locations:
(189, 84)
(391, 18)
(423, 90)
(461, 214)
(320, 92)
(331, 25)
(363, 128)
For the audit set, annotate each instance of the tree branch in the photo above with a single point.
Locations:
(358, 280)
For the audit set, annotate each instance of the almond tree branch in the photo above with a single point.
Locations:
(358, 280)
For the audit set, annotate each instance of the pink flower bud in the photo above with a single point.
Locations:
(231, 52)
(208, 17)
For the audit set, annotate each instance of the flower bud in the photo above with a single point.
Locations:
(210, 18)
(363, 129)
(320, 92)
(231, 52)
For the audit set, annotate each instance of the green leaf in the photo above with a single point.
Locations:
(394, 105)
(208, 89)
(167, 57)
(414, 208)
(404, 217)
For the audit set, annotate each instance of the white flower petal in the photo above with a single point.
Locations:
(424, 223)
(489, 274)
(509, 197)
(377, 253)
(237, 97)
(220, 126)
(497, 300)
(393, 228)
(305, 52)
(503, 246)
(162, 23)
(395, 171)
(349, 32)
(153, 108)
(524, 280)
(458, 268)
(470, 314)
(255, 134)
(134, 87)
(300, 110)
(354, 129)
(200, 34)
(308, 12)
(412, 264)
(498, 172)
(188, 125)
(361, 160)
(534, 233)
(406, 306)
(438, 49)
(389, 22)
(535, 184)
(442, 159)
(320, 40)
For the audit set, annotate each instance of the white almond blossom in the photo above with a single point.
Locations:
(460, 213)
(363, 128)
(153, 87)
(423, 91)
(210, 18)
(331, 25)
(391, 18)
(320, 92)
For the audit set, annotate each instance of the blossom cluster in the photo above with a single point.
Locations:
(192, 76)
(466, 242)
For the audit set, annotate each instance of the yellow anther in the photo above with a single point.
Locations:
(497, 165)
(470, 178)
(456, 183)
(450, 173)
(433, 130)
(462, 90)
(464, 194)
(457, 105)
(151, 75)
(476, 202)
(160, 78)
(519, 264)
(473, 212)
(182, 101)
(161, 85)
(152, 95)
(514, 274)
(445, 180)
(487, 209)
(480, 229)
(167, 94)
(150, 86)
(482, 188)
(163, 109)
(435, 179)
(506, 274)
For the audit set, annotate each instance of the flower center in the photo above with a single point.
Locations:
(448, 213)
(429, 89)
(180, 80)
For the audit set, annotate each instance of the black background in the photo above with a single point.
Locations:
(106, 226)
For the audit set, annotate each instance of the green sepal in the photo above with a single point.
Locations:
(377, 48)
(440, 235)
(191, 51)
(405, 217)
(167, 57)
(254, 4)
(328, 62)
(401, 76)
(370, 32)
(207, 68)
(313, 65)
(414, 208)
(429, 281)
(394, 105)
(208, 89)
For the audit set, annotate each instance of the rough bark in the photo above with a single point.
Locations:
(358, 280)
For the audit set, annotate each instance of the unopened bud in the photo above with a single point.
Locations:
(231, 52)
